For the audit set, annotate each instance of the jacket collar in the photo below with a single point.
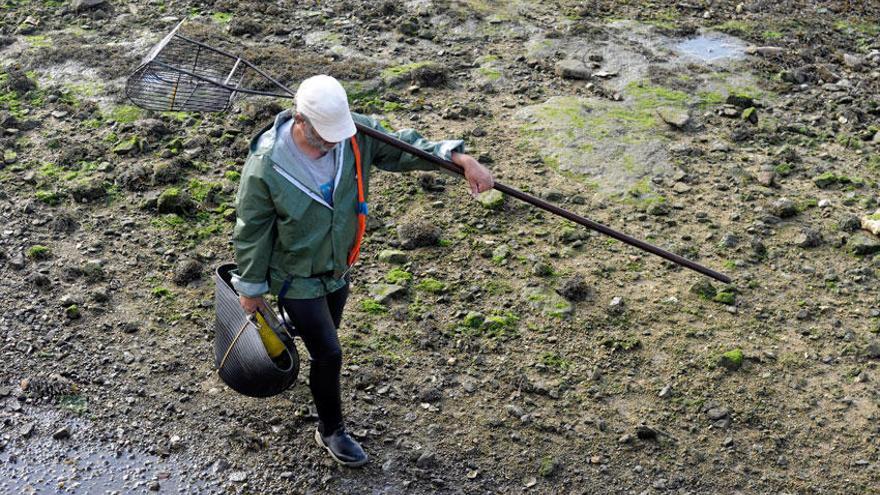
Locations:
(265, 144)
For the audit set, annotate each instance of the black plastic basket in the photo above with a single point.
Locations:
(239, 353)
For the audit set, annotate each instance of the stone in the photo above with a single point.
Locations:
(767, 178)
(17, 261)
(677, 118)
(427, 460)
(474, 319)
(187, 271)
(750, 114)
(731, 360)
(871, 223)
(863, 244)
(87, 4)
(62, 433)
(764, 51)
(784, 208)
(808, 238)
(704, 289)
(576, 288)
(385, 292)
(418, 234)
(853, 61)
(572, 69)
(717, 413)
(740, 101)
(725, 297)
(872, 350)
(849, 223)
(492, 199)
(238, 476)
(173, 200)
(393, 256)
(548, 301)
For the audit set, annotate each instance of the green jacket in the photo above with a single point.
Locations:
(285, 228)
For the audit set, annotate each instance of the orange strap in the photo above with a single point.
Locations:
(361, 205)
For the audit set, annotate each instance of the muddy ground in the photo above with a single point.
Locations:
(520, 353)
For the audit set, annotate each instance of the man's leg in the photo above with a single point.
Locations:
(316, 321)
(314, 324)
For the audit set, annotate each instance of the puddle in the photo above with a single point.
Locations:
(712, 47)
(45, 467)
(32, 462)
(618, 146)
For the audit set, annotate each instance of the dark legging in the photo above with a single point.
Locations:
(316, 321)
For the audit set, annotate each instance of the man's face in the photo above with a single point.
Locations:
(313, 139)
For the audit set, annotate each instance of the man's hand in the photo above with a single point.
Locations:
(252, 304)
(479, 178)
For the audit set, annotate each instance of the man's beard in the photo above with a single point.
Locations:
(315, 141)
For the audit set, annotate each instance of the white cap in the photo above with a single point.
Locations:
(323, 100)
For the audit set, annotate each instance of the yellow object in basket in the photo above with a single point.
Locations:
(274, 346)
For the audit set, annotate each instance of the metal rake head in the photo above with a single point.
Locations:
(181, 74)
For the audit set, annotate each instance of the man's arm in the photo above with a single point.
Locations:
(253, 236)
(391, 158)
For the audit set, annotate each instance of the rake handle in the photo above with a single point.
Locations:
(532, 200)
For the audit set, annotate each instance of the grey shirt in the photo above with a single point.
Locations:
(322, 170)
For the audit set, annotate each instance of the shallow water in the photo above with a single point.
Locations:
(712, 47)
(47, 467)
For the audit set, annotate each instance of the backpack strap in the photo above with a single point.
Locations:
(362, 208)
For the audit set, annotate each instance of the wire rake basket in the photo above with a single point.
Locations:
(181, 74)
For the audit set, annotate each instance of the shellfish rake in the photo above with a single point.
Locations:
(182, 74)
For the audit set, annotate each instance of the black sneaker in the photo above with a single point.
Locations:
(344, 449)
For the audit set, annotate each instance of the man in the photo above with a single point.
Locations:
(300, 209)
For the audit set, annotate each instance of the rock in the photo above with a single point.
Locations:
(17, 261)
(500, 253)
(863, 244)
(808, 238)
(88, 190)
(430, 394)
(219, 466)
(72, 312)
(872, 350)
(474, 319)
(616, 306)
(784, 208)
(385, 292)
(767, 178)
(665, 392)
(740, 101)
(418, 234)
(717, 413)
(186, 271)
(849, 223)
(764, 51)
(393, 256)
(730, 240)
(426, 461)
(704, 289)
(62, 433)
(173, 200)
(731, 360)
(548, 301)
(871, 223)
(128, 146)
(572, 69)
(86, 4)
(725, 297)
(238, 476)
(681, 188)
(575, 288)
(852, 61)
(492, 199)
(750, 114)
(675, 117)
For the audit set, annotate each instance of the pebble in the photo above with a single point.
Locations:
(238, 476)
(61, 433)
